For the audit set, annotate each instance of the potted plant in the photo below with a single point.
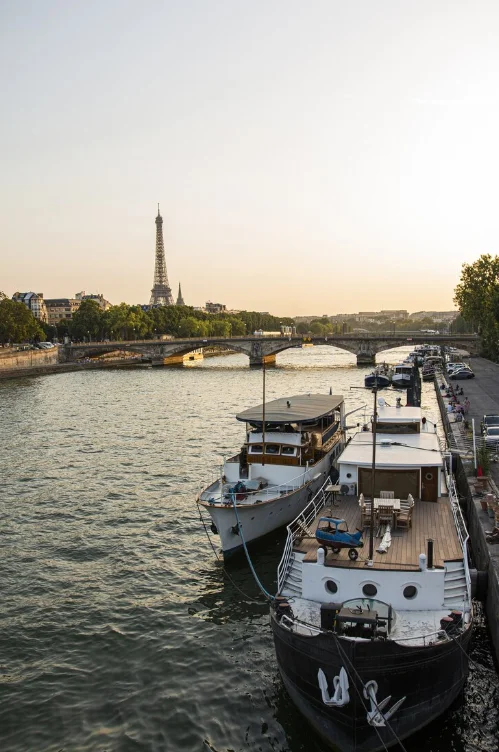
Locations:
(483, 461)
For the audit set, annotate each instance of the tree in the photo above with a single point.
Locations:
(17, 322)
(477, 296)
(88, 320)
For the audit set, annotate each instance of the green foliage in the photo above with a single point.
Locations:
(477, 296)
(483, 458)
(87, 321)
(17, 323)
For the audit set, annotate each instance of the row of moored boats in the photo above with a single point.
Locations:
(373, 612)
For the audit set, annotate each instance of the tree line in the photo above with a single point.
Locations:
(130, 322)
(477, 296)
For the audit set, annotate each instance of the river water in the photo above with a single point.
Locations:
(119, 629)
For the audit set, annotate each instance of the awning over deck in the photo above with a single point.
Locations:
(300, 408)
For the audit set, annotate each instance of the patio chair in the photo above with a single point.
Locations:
(404, 517)
(365, 512)
(406, 504)
(386, 494)
(385, 515)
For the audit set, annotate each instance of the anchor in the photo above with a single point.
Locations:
(375, 717)
(340, 683)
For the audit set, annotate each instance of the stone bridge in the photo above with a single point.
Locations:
(264, 349)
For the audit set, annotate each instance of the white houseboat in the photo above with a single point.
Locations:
(403, 375)
(371, 640)
(289, 449)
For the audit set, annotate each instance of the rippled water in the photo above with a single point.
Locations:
(119, 630)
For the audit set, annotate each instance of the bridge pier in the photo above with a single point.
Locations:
(366, 359)
(258, 360)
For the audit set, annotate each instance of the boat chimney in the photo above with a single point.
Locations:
(320, 556)
(430, 553)
(422, 562)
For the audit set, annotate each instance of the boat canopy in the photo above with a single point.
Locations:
(301, 408)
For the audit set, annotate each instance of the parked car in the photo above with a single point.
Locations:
(488, 421)
(462, 373)
(491, 437)
(450, 367)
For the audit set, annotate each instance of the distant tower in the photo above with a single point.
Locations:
(180, 300)
(161, 293)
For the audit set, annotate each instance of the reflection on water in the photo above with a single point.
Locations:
(119, 629)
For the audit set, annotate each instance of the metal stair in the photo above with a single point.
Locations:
(294, 579)
(455, 590)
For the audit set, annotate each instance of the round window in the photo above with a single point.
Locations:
(410, 592)
(349, 475)
(370, 590)
(429, 476)
(331, 586)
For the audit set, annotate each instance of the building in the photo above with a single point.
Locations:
(59, 309)
(100, 299)
(435, 315)
(395, 314)
(180, 300)
(215, 307)
(35, 302)
(161, 293)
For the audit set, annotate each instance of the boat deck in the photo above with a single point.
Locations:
(429, 520)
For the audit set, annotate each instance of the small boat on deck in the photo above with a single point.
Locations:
(380, 377)
(290, 447)
(372, 645)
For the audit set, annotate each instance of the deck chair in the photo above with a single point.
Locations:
(386, 494)
(406, 504)
(365, 512)
(385, 515)
(404, 517)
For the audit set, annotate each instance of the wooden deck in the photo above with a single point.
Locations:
(429, 520)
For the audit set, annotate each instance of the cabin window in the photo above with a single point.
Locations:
(288, 451)
(256, 449)
(272, 449)
(370, 590)
(331, 586)
(410, 592)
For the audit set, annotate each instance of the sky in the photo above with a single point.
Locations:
(308, 157)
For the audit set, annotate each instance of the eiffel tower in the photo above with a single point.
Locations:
(161, 293)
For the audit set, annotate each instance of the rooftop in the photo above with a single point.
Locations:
(403, 450)
(296, 409)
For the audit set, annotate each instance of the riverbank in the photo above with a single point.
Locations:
(483, 394)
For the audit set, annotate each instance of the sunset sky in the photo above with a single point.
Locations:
(309, 157)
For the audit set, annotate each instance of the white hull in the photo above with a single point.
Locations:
(401, 380)
(257, 520)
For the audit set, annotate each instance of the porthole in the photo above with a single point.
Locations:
(410, 592)
(349, 475)
(370, 590)
(331, 586)
(429, 476)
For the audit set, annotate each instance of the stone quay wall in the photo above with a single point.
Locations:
(19, 360)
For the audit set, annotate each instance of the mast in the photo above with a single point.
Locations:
(373, 477)
(263, 416)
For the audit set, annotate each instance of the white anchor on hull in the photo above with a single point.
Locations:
(374, 716)
(340, 683)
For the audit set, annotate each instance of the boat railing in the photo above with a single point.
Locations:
(462, 532)
(297, 528)
(269, 491)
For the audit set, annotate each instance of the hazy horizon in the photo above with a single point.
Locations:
(330, 158)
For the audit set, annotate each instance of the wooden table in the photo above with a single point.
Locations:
(395, 503)
(333, 490)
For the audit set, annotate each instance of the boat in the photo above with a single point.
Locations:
(381, 376)
(290, 448)
(371, 634)
(403, 375)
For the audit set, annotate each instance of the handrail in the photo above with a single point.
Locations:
(303, 520)
(461, 529)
